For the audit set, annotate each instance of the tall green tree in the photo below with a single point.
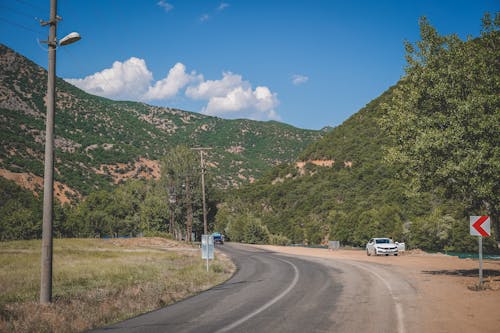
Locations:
(180, 174)
(445, 117)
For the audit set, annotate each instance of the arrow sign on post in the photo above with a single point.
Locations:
(480, 226)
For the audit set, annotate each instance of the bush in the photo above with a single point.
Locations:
(255, 232)
(279, 240)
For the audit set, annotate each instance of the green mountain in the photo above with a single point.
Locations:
(99, 142)
(347, 186)
(340, 179)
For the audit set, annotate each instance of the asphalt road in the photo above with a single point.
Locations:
(272, 292)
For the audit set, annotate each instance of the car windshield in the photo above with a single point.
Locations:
(383, 241)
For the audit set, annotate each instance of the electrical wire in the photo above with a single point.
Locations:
(19, 25)
(18, 12)
(31, 5)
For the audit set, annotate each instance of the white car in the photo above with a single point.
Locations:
(381, 246)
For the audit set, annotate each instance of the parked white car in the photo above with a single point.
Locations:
(381, 246)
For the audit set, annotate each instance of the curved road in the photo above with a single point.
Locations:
(272, 292)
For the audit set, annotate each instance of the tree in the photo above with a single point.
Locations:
(180, 172)
(155, 211)
(445, 118)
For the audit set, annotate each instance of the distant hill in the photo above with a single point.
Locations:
(338, 180)
(100, 142)
(343, 188)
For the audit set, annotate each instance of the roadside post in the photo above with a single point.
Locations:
(480, 226)
(207, 248)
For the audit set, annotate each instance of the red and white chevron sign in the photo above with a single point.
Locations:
(480, 226)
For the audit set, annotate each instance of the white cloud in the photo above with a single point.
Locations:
(208, 89)
(170, 86)
(234, 98)
(298, 79)
(165, 5)
(124, 80)
(230, 97)
(222, 6)
(131, 80)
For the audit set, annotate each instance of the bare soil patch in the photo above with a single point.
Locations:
(449, 298)
(34, 183)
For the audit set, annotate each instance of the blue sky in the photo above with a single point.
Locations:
(306, 63)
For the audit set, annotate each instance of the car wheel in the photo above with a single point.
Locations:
(395, 254)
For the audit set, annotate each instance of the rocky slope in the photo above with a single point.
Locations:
(100, 142)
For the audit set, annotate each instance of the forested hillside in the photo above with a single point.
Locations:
(100, 142)
(351, 187)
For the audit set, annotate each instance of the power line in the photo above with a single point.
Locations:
(19, 25)
(18, 12)
(13, 11)
(31, 5)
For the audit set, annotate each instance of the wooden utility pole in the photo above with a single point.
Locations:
(189, 203)
(203, 170)
(48, 178)
(171, 203)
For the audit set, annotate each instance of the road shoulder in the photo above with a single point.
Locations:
(443, 283)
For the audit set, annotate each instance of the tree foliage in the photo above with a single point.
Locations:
(181, 176)
(445, 117)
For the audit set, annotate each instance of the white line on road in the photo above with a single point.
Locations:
(268, 304)
(399, 308)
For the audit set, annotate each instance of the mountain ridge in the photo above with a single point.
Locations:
(94, 134)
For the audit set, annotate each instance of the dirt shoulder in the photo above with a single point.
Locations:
(445, 285)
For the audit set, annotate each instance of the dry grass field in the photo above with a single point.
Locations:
(97, 282)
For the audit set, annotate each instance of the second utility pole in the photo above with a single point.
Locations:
(202, 165)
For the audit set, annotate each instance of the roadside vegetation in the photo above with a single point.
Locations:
(98, 281)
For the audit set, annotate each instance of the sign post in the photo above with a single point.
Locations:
(207, 247)
(480, 226)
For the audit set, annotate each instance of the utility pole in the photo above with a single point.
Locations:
(203, 170)
(171, 200)
(48, 178)
(189, 203)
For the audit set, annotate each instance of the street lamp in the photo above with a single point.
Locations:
(48, 178)
(70, 39)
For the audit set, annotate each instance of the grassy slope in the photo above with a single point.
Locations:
(97, 282)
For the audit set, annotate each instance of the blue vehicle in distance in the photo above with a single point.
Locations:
(218, 238)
